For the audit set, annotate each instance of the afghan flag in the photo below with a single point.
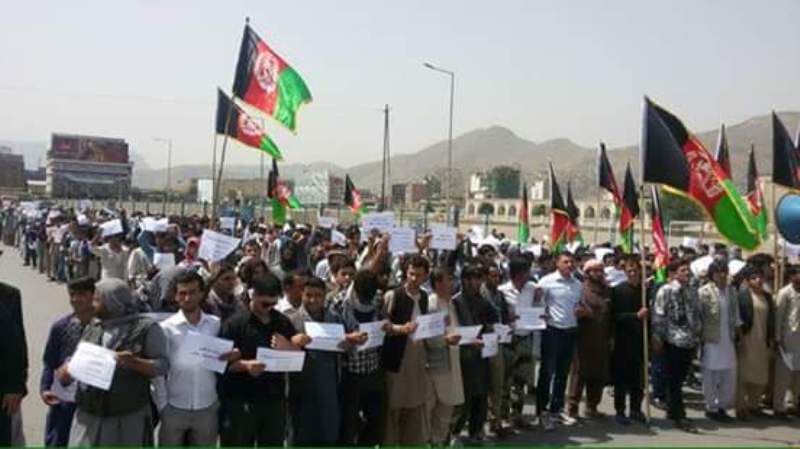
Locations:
(629, 211)
(235, 123)
(723, 154)
(524, 226)
(755, 195)
(264, 80)
(660, 247)
(352, 197)
(574, 229)
(281, 196)
(785, 163)
(560, 220)
(673, 157)
(605, 175)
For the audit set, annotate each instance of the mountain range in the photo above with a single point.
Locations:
(483, 148)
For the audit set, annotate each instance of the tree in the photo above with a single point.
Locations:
(676, 207)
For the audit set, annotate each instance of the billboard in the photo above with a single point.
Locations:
(88, 148)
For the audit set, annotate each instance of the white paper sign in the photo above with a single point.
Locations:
(111, 227)
(227, 223)
(215, 246)
(443, 237)
(429, 326)
(64, 393)
(490, 345)
(324, 336)
(93, 365)
(375, 334)
(338, 239)
(530, 318)
(503, 332)
(326, 222)
(84, 204)
(153, 225)
(281, 361)
(382, 221)
(206, 350)
(402, 240)
(468, 334)
(163, 260)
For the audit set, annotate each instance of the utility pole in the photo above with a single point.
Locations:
(385, 168)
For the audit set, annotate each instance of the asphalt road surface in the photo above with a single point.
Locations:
(43, 302)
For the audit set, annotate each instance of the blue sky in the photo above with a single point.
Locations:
(545, 69)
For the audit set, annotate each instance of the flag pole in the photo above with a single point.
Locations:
(645, 323)
(597, 216)
(225, 144)
(775, 277)
(214, 176)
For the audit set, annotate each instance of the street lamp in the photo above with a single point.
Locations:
(168, 141)
(450, 134)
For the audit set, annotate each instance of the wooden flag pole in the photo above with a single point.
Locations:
(775, 276)
(645, 323)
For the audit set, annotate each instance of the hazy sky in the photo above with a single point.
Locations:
(578, 69)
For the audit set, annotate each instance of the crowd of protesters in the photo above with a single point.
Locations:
(716, 322)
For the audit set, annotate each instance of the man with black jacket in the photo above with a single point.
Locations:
(13, 359)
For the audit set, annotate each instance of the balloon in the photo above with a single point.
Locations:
(787, 217)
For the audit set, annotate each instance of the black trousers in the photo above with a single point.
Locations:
(364, 404)
(260, 423)
(474, 410)
(628, 378)
(676, 365)
(5, 428)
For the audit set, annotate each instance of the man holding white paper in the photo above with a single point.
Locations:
(187, 398)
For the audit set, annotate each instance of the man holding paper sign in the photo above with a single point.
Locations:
(252, 408)
(473, 309)
(188, 397)
(404, 358)
(119, 416)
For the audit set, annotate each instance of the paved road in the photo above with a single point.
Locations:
(44, 302)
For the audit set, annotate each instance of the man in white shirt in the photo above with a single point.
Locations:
(293, 284)
(521, 292)
(562, 293)
(188, 397)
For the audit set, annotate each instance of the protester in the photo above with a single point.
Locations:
(720, 316)
(757, 312)
(627, 315)
(121, 415)
(501, 365)
(562, 293)
(64, 336)
(223, 301)
(591, 370)
(13, 359)
(787, 338)
(677, 324)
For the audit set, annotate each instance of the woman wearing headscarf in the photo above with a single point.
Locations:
(121, 415)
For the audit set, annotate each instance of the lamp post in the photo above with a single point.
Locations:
(452, 75)
(168, 141)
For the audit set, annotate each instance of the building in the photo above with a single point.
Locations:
(536, 191)
(88, 167)
(502, 182)
(319, 187)
(409, 194)
(12, 172)
(398, 194)
(478, 186)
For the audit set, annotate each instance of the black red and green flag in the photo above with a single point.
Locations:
(524, 226)
(660, 247)
(723, 154)
(676, 159)
(264, 80)
(574, 229)
(755, 195)
(605, 175)
(560, 221)
(785, 163)
(281, 196)
(629, 210)
(352, 197)
(235, 123)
